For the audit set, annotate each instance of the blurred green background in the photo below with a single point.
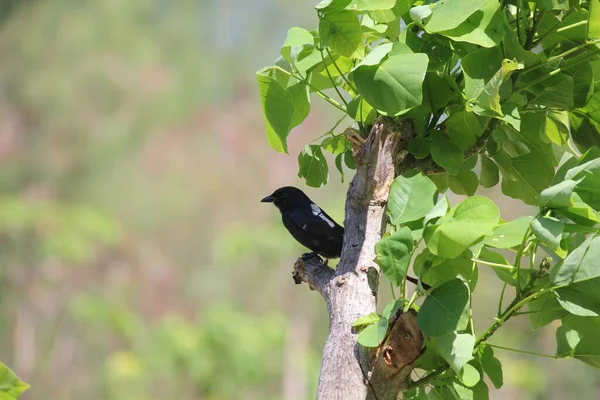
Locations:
(136, 262)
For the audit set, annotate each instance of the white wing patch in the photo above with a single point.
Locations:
(317, 212)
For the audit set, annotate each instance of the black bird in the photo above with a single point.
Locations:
(310, 225)
(307, 223)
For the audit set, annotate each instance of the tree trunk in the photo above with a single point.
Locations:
(349, 371)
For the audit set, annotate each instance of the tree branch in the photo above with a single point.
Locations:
(351, 290)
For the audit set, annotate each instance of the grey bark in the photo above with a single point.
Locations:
(348, 371)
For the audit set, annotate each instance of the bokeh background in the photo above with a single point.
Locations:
(136, 262)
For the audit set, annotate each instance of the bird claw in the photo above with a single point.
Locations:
(308, 256)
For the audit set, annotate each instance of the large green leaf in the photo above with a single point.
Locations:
(581, 264)
(545, 310)
(445, 153)
(553, 4)
(531, 173)
(278, 110)
(548, 231)
(296, 38)
(11, 387)
(479, 67)
(464, 129)
(486, 101)
(485, 27)
(455, 348)
(588, 349)
(340, 30)
(559, 195)
(393, 255)
(490, 176)
(449, 14)
(470, 222)
(411, 198)
(437, 274)
(313, 166)
(445, 309)
(509, 234)
(492, 366)
(395, 85)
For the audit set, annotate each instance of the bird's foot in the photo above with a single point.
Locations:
(308, 256)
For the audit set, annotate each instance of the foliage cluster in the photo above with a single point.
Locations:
(500, 92)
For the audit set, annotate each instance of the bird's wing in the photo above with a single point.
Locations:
(317, 222)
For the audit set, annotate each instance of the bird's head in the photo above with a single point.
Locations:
(287, 197)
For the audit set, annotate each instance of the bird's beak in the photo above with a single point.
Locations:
(268, 199)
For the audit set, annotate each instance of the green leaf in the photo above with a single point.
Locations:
(479, 67)
(313, 166)
(509, 234)
(440, 90)
(465, 182)
(373, 334)
(295, 39)
(361, 111)
(337, 144)
(339, 166)
(393, 255)
(555, 91)
(471, 221)
(446, 154)
(395, 85)
(439, 210)
(581, 298)
(445, 309)
(340, 31)
(559, 195)
(11, 387)
(392, 307)
(462, 267)
(548, 232)
(278, 110)
(419, 147)
(411, 198)
(464, 129)
(566, 340)
(455, 348)
(366, 320)
(486, 101)
(543, 311)
(594, 20)
(532, 173)
(588, 349)
(492, 366)
(490, 175)
(485, 27)
(469, 375)
(449, 14)
(580, 265)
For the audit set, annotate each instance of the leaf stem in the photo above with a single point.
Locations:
(532, 31)
(491, 264)
(340, 72)
(523, 351)
(392, 289)
(501, 299)
(518, 259)
(321, 94)
(335, 86)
